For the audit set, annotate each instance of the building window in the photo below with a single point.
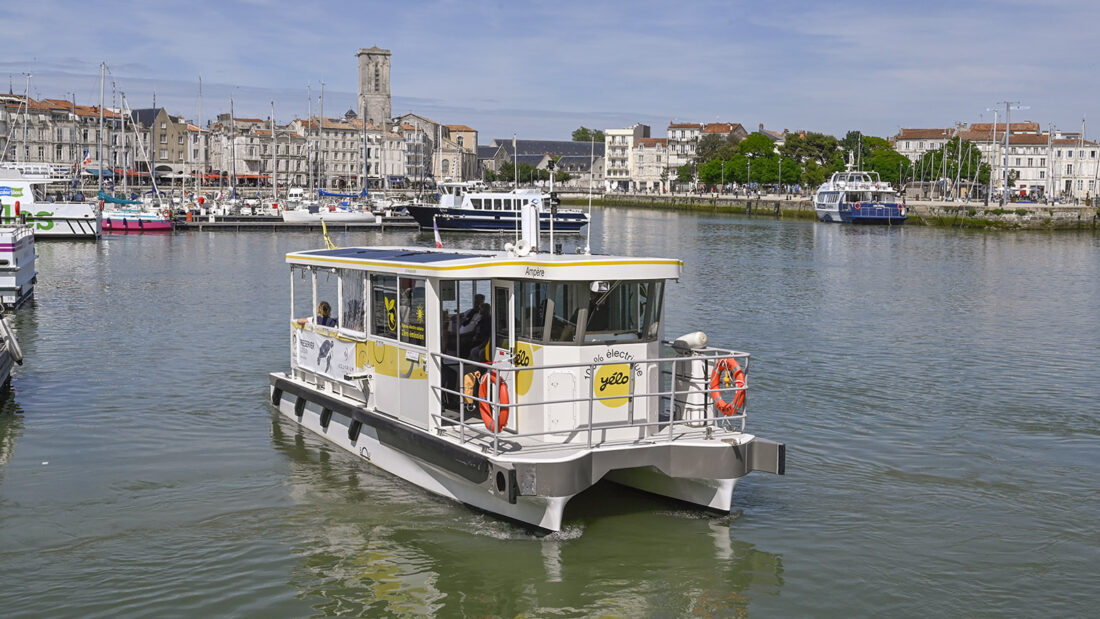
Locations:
(1017, 161)
(1043, 161)
(1030, 161)
(163, 138)
(461, 141)
(1080, 185)
(163, 125)
(1069, 168)
(1069, 154)
(164, 154)
(1042, 174)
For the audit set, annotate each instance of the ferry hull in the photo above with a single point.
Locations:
(533, 491)
(79, 220)
(468, 220)
(428, 462)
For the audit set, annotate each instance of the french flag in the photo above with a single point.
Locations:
(87, 158)
(438, 241)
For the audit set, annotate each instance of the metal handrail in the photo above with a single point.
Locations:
(666, 409)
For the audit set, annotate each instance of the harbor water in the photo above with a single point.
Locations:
(936, 389)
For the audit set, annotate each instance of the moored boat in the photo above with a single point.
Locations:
(17, 265)
(330, 213)
(859, 198)
(10, 354)
(23, 192)
(514, 380)
(469, 207)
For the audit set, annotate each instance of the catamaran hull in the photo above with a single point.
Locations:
(434, 465)
(701, 472)
(470, 220)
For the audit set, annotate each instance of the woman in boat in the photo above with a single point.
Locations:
(323, 317)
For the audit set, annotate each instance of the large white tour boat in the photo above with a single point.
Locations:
(25, 193)
(470, 207)
(512, 381)
(858, 198)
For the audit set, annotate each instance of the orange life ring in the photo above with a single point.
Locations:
(857, 208)
(722, 371)
(502, 399)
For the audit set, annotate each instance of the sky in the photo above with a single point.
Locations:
(539, 70)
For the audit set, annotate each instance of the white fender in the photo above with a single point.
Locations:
(13, 344)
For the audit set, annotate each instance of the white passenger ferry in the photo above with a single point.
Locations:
(18, 274)
(512, 381)
(26, 191)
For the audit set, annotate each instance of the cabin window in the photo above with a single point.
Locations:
(531, 304)
(627, 312)
(351, 300)
(460, 314)
(383, 309)
(568, 299)
(475, 202)
(411, 310)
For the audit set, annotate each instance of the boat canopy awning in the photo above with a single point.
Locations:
(120, 172)
(96, 172)
(462, 264)
(256, 176)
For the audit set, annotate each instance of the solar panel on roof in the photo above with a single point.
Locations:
(389, 254)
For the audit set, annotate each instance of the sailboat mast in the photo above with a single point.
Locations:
(125, 169)
(309, 136)
(320, 139)
(99, 154)
(232, 151)
(200, 171)
(274, 159)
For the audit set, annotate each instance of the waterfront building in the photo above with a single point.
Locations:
(620, 173)
(1053, 163)
(651, 165)
(682, 140)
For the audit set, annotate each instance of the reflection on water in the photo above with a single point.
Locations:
(11, 424)
(372, 543)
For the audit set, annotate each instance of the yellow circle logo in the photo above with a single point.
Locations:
(612, 380)
(524, 358)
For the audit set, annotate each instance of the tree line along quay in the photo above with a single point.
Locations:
(920, 212)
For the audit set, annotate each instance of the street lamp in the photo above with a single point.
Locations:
(723, 175)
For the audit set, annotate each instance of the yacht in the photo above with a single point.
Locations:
(858, 197)
(513, 380)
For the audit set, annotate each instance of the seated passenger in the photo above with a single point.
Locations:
(323, 317)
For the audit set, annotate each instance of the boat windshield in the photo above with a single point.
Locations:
(571, 313)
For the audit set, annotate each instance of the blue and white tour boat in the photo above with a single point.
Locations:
(513, 380)
(857, 197)
(469, 207)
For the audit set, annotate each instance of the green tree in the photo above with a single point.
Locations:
(715, 146)
(757, 145)
(584, 134)
(685, 173)
(811, 147)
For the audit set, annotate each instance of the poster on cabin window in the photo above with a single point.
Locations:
(325, 355)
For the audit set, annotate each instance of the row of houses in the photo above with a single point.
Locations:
(1052, 163)
(137, 145)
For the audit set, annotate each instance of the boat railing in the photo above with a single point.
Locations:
(685, 403)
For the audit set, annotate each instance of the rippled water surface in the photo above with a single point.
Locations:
(937, 391)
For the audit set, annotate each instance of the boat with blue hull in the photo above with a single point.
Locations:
(467, 207)
(858, 197)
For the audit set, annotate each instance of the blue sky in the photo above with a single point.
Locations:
(541, 69)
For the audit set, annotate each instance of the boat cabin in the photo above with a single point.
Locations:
(433, 337)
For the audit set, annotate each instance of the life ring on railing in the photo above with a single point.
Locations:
(13, 344)
(722, 373)
(856, 206)
(502, 399)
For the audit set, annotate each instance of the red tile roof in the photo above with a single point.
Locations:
(721, 127)
(653, 142)
(459, 128)
(924, 134)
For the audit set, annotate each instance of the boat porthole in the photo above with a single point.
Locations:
(353, 430)
(276, 396)
(326, 416)
(299, 407)
(500, 481)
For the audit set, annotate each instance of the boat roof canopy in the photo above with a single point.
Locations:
(459, 264)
